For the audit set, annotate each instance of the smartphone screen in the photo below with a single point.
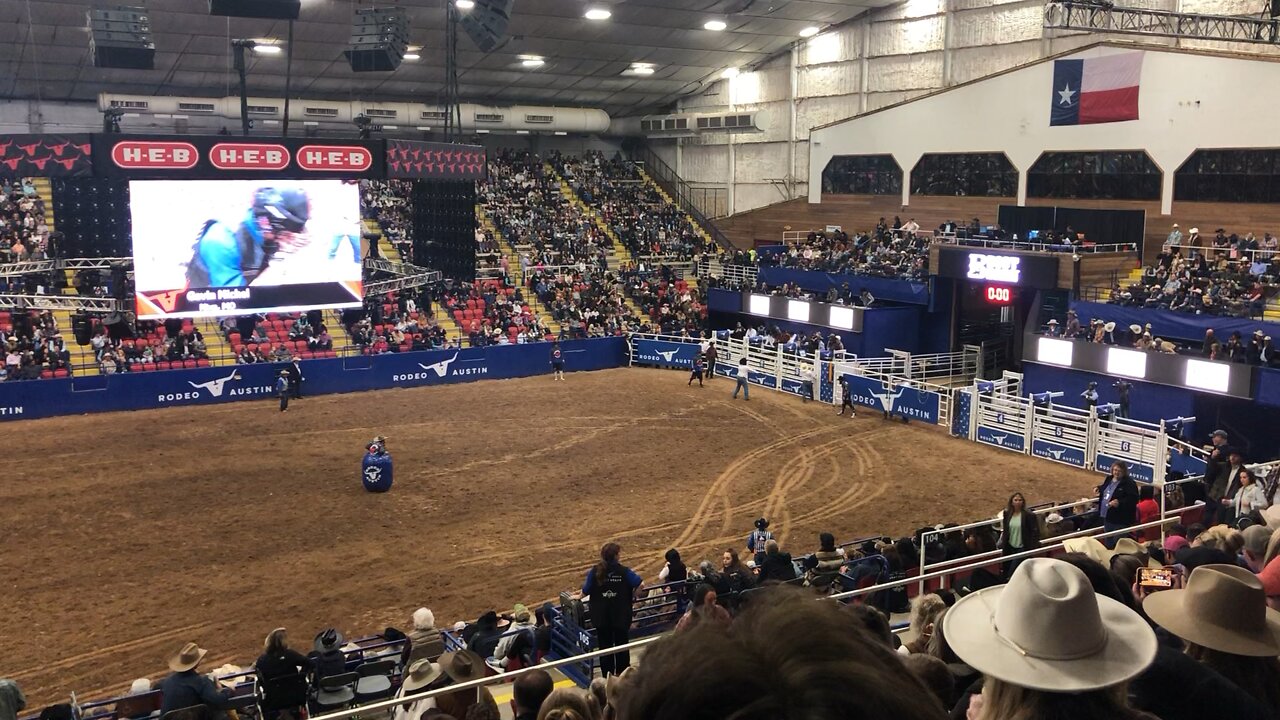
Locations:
(1156, 578)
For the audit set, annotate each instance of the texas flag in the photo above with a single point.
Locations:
(1096, 90)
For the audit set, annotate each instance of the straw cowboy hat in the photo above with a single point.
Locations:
(463, 665)
(1046, 629)
(187, 658)
(421, 674)
(1223, 608)
(1099, 552)
(1135, 329)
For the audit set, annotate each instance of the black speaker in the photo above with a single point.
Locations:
(81, 328)
(444, 227)
(379, 38)
(270, 9)
(487, 22)
(120, 37)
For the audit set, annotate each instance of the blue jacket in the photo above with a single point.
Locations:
(225, 252)
(187, 689)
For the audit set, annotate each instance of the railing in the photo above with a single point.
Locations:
(1262, 255)
(739, 275)
(680, 191)
(1037, 247)
(795, 236)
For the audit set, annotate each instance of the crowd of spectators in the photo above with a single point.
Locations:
(389, 203)
(1257, 349)
(524, 203)
(24, 235)
(33, 347)
(674, 306)
(890, 250)
(401, 322)
(492, 312)
(645, 223)
(585, 303)
(1231, 278)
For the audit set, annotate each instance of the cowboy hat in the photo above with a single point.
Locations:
(463, 665)
(328, 639)
(1099, 552)
(1046, 629)
(1052, 322)
(1135, 329)
(421, 674)
(1223, 608)
(1195, 230)
(1110, 326)
(187, 658)
(613, 686)
(1272, 516)
(1175, 224)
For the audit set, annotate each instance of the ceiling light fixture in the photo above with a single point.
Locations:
(642, 69)
(715, 25)
(810, 31)
(561, 132)
(522, 132)
(268, 49)
(729, 73)
(412, 56)
(465, 4)
(532, 62)
(597, 13)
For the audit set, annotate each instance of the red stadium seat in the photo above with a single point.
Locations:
(61, 373)
(272, 316)
(202, 362)
(299, 345)
(46, 373)
(188, 363)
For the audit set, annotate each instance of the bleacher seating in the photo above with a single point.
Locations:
(492, 312)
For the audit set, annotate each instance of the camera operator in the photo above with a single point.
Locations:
(1123, 388)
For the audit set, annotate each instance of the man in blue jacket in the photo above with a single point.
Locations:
(185, 688)
(233, 255)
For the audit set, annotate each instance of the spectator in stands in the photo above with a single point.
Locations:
(981, 541)
(818, 664)
(828, 561)
(1254, 552)
(421, 676)
(1117, 501)
(474, 703)
(483, 636)
(705, 607)
(12, 701)
(1147, 510)
(1021, 530)
(326, 655)
(1223, 616)
(1015, 635)
(424, 627)
(777, 565)
(1249, 496)
(184, 688)
(925, 611)
(529, 692)
(739, 575)
(521, 623)
(278, 659)
(610, 588)
(568, 704)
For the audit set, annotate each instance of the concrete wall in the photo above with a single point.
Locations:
(1183, 102)
(885, 57)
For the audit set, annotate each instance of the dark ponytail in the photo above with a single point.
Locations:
(608, 556)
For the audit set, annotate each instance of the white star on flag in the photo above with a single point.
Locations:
(1066, 94)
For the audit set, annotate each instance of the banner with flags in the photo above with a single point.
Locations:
(1096, 90)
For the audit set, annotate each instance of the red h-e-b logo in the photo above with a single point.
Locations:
(248, 156)
(349, 158)
(152, 155)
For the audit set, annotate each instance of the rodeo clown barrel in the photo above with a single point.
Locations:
(376, 471)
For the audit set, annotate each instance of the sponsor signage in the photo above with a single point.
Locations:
(214, 157)
(1001, 438)
(664, 353)
(983, 265)
(413, 159)
(1137, 471)
(446, 370)
(1058, 452)
(45, 155)
(902, 400)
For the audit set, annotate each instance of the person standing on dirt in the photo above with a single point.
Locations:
(710, 355)
(846, 399)
(699, 364)
(742, 376)
(609, 589)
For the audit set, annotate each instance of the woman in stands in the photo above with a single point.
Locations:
(278, 659)
(829, 559)
(609, 590)
(705, 607)
(739, 575)
(1021, 530)
(1223, 617)
(1049, 647)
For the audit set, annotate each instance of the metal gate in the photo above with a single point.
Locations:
(1062, 434)
(1129, 441)
(1001, 417)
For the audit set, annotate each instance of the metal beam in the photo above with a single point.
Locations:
(1100, 17)
(408, 276)
(30, 267)
(72, 303)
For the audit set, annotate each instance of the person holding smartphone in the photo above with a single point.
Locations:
(1117, 502)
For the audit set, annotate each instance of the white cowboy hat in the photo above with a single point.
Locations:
(1099, 552)
(1048, 630)
(1135, 329)
(1223, 608)
(1195, 231)
(1109, 327)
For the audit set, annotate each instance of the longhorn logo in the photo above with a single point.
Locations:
(12, 162)
(441, 368)
(1056, 454)
(215, 387)
(29, 149)
(57, 149)
(888, 397)
(998, 439)
(667, 354)
(67, 163)
(41, 162)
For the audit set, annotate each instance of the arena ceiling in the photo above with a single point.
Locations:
(44, 51)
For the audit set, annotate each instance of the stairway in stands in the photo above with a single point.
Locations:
(509, 251)
(701, 231)
(82, 359)
(620, 255)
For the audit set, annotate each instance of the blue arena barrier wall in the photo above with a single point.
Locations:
(1170, 324)
(205, 386)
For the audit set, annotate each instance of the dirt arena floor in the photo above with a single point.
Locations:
(126, 535)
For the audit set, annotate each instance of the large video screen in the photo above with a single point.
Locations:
(233, 247)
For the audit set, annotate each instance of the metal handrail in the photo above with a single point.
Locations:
(669, 180)
(1035, 246)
